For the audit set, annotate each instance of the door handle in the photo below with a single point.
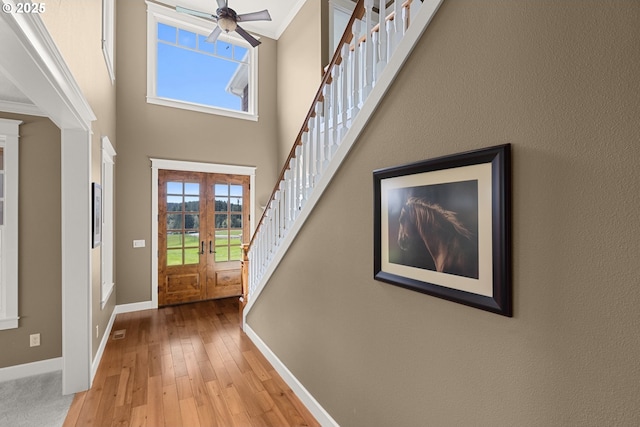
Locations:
(202, 248)
(211, 251)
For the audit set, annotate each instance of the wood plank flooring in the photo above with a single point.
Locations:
(188, 365)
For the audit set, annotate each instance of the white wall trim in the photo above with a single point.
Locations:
(320, 414)
(412, 36)
(9, 240)
(135, 306)
(20, 108)
(156, 165)
(30, 369)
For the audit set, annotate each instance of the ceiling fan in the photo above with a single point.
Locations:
(227, 20)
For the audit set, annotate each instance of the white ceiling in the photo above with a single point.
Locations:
(282, 12)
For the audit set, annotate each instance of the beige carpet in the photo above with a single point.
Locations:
(34, 401)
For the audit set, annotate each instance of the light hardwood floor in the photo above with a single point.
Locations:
(187, 365)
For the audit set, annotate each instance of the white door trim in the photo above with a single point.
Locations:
(156, 165)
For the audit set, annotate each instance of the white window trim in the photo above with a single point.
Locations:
(108, 36)
(9, 134)
(108, 162)
(158, 164)
(156, 14)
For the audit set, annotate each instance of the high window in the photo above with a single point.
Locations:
(8, 224)
(185, 71)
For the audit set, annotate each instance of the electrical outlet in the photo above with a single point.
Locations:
(139, 243)
(97, 331)
(34, 340)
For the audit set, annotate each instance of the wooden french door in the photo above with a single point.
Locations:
(203, 222)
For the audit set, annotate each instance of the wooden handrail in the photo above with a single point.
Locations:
(347, 37)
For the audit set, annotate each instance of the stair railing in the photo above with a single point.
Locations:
(349, 78)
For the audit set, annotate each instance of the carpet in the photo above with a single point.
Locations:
(34, 401)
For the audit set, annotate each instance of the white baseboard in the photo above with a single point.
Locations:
(30, 369)
(136, 306)
(305, 397)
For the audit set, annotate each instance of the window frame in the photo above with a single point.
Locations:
(107, 282)
(9, 134)
(160, 14)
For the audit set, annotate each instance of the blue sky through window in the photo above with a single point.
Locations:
(192, 70)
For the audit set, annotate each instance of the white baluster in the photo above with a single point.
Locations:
(369, 48)
(382, 39)
(333, 108)
(344, 92)
(355, 72)
(308, 161)
(319, 141)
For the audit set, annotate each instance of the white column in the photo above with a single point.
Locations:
(76, 259)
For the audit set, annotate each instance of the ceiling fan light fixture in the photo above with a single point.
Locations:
(227, 24)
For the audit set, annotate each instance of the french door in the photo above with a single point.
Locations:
(203, 222)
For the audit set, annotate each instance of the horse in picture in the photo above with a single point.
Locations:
(451, 245)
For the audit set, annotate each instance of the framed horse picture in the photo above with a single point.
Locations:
(443, 227)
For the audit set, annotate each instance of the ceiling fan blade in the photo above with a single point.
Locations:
(214, 34)
(222, 3)
(248, 37)
(263, 15)
(196, 13)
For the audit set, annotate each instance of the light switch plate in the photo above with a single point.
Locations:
(138, 243)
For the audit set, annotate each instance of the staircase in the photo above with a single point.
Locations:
(367, 59)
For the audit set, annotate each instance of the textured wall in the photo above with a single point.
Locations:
(39, 242)
(76, 28)
(558, 80)
(152, 131)
(299, 73)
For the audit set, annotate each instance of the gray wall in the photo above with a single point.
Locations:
(558, 80)
(39, 242)
(151, 131)
(299, 73)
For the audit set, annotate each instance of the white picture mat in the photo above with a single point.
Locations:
(483, 174)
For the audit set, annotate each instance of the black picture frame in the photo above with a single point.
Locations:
(96, 215)
(443, 227)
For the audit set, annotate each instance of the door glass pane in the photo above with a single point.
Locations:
(191, 256)
(235, 190)
(222, 189)
(221, 204)
(235, 237)
(2, 212)
(192, 204)
(174, 188)
(1, 158)
(191, 240)
(236, 221)
(174, 239)
(192, 188)
(174, 222)
(235, 253)
(191, 222)
(221, 220)
(222, 238)
(174, 203)
(174, 257)
(236, 204)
